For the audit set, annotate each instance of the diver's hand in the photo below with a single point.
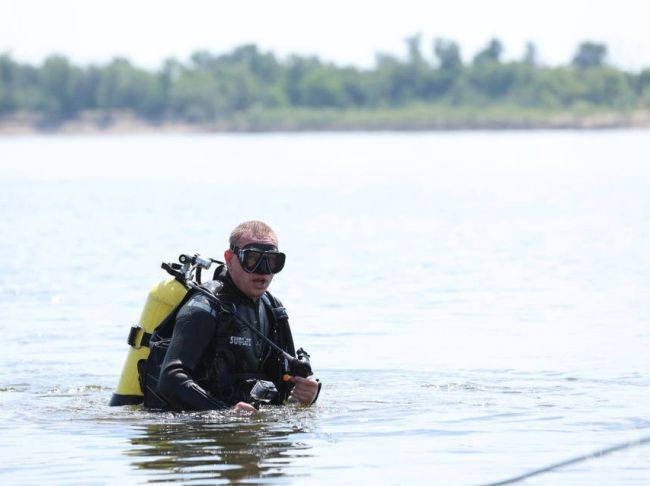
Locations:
(243, 408)
(305, 389)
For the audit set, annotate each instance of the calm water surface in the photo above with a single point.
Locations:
(477, 304)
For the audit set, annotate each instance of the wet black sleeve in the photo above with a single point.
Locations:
(194, 329)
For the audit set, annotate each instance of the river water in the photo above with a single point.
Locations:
(476, 304)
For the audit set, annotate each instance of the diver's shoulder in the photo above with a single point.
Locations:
(199, 303)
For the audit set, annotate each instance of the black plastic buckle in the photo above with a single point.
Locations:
(133, 333)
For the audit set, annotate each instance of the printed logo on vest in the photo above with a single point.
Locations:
(241, 341)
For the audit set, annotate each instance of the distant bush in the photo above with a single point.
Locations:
(247, 82)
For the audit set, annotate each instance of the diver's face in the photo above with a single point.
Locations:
(252, 285)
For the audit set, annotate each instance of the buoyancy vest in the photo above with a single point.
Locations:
(236, 357)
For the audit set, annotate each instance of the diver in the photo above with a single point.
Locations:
(220, 348)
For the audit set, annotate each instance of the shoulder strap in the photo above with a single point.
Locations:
(279, 312)
(281, 320)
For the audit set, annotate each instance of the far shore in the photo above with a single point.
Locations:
(327, 121)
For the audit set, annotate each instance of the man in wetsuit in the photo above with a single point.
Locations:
(213, 360)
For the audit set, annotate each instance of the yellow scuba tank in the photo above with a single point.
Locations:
(163, 298)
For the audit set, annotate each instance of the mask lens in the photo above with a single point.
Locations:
(250, 259)
(276, 261)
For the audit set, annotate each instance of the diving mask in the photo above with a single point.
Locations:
(259, 258)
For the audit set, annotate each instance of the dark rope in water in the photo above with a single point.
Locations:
(591, 455)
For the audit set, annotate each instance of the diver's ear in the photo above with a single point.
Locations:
(227, 256)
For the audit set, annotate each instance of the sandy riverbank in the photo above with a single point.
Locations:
(387, 120)
(28, 124)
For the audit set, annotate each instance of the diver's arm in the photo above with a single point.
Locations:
(194, 329)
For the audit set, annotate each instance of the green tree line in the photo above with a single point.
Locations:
(209, 87)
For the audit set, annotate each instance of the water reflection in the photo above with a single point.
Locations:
(229, 449)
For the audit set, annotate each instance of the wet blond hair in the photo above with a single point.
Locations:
(254, 228)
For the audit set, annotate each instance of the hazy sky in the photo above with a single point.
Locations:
(341, 31)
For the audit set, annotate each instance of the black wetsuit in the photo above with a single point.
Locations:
(213, 359)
